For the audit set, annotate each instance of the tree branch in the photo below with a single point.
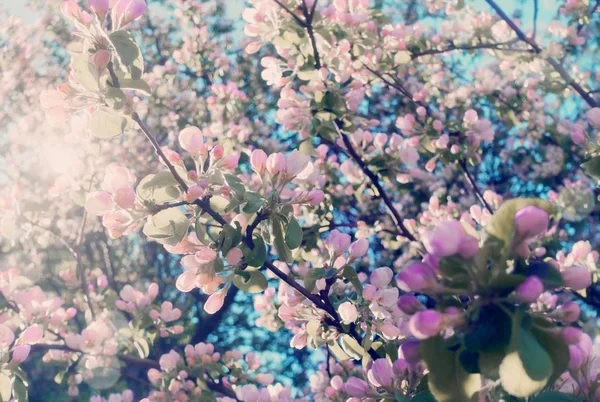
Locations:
(555, 64)
(473, 183)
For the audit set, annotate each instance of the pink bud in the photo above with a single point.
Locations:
(381, 374)
(125, 11)
(217, 152)
(530, 289)
(338, 242)
(234, 256)
(214, 302)
(297, 163)
(531, 222)
(194, 192)
(276, 163)
(125, 197)
(577, 134)
(416, 277)
(425, 324)
(192, 140)
(348, 312)
(32, 335)
(357, 387)
(154, 375)
(577, 277)
(593, 117)
(381, 276)
(102, 282)
(231, 161)
(258, 161)
(359, 248)
(571, 335)
(409, 304)
(409, 351)
(469, 246)
(99, 7)
(569, 312)
(315, 197)
(98, 203)
(101, 59)
(446, 239)
(20, 353)
(369, 292)
(71, 10)
(153, 291)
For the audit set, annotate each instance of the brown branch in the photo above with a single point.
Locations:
(473, 183)
(555, 64)
(298, 20)
(308, 15)
(375, 181)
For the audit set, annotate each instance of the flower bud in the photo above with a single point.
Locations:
(357, 387)
(217, 152)
(409, 351)
(215, 302)
(381, 374)
(231, 161)
(359, 248)
(101, 59)
(570, 335)
(153, 291)
(381, 276)
(409, 304)
(192, 140)
(99, 7)
(20, 353)
(125, 11)
(415, 277)
(348, 312)
(369, 292)
(426, 324)
(32, 335)
(315, 197)
(125, 197)
(234, 256)
(258, 161)
(569, 312)
(71, 11)
(593, 117)
(577, 277)
(531, 222)
(577, 134)
(530, 289)
(446, 239)
(98, 203)
(276, 163)
(338, 242)
(193, 193)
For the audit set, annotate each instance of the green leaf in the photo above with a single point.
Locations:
(258, 255)
(283, 252)
(106, 124)
(547, 274)
(229, 238)
(254, 202)
(5, 386)
(85, 72)
(592, 167)
(453, 268)
(20, 392)
(137, 85)
(424, 397)
(448, 381)
(293, 236)
(237, 187)
(129, 53)
(168, 226)
(337, 351)
(555, 396)
(351, 347)
(256, 282)
(115, 98)
(218, 203)
(312, 276)
(469, 361)
(502, 223)
(350, 274)
(159, 188)
(556, 348)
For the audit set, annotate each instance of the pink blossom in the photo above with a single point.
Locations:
(337, 242)
(192, 140)
(593, 117)
(99, 7)
(577, 277)
(168, 361)
(101, 59)
(530, 290)
(258, 160)
(381, 374)
(98, 203)
(358, 248)
(416, 277)
(20, 353)
(531, 222)
(357, 387)
(425, 324)
(409, 304)
(276, 163)
(348, 312)
(215, 302)
(125, 11)
(32, 335)
(381, 276)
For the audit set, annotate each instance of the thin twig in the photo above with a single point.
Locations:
(555, 64)
(375, 181)
(298, 20)
(473, 183)
(535, 18)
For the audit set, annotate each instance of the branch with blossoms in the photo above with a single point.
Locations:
(472, 305)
